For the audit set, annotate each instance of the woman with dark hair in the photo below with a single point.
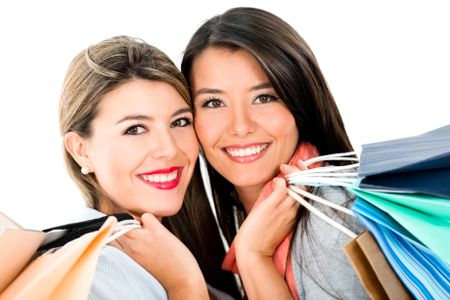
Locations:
(260, 102)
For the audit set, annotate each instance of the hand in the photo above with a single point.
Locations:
(158, 251)
(268, 223)
(288, 169)
(262, 231)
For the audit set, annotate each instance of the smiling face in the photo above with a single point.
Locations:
(245, 129)
(143, 147)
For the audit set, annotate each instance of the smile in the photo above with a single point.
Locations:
(246, 154)
(164, 179)
(161, 177)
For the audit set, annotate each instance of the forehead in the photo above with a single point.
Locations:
(141, 96)
(223, 63)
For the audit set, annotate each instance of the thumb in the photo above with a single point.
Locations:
(279, 185)
(149, 220)
(287, 169)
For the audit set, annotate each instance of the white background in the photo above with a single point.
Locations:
(387, 63)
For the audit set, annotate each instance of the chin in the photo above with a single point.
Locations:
(168, 210)
(250, 180)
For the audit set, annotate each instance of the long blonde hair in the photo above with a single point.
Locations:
(96, 71)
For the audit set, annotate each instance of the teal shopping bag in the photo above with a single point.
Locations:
(427, 218)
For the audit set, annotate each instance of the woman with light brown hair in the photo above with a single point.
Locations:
(130, 146)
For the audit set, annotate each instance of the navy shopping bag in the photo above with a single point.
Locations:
(414, 164)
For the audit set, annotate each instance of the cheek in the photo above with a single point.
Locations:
(115, 160)
(188, 144)
(209, 128)
(281, 125)
(280, 122)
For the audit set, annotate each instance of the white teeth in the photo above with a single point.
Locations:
(247, 151)
(161, 177)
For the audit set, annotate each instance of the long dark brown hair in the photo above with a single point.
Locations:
(295, 75)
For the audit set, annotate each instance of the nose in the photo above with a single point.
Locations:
(241, 121)
(163, 145)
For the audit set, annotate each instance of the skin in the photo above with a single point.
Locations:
(134, 135)
(232, 92)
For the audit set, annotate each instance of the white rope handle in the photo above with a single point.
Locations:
(328, 175)
(334, 156)
(123, 227)
(321, 200)
(209, 195)
(325, 176)
(321, 215)
(329, 169)
(208, 190)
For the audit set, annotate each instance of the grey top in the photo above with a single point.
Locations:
(321, 268)
(117, 276)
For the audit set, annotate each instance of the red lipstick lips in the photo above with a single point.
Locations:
(163, 179)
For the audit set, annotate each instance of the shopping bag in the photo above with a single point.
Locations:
(420, 270)
(375, 274)
(422, 152)
(373, 270)
(419, 164)
(427, 218)
(66, 272)
(18, 243)
(424, 274)
(433, 182)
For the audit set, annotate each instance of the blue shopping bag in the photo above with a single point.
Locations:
(427, 218)
(424, 273)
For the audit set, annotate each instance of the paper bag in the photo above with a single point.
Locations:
(20, 244)
(64, 274)
(374, 272)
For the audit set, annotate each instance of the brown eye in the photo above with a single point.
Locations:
(135, 130)
(181, 122)
(265, 98)
(213, 103)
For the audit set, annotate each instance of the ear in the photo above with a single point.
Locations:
(77, 147)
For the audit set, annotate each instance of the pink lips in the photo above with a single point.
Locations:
(166, 185)
(247, 158)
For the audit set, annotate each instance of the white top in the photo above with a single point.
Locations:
(118, 276)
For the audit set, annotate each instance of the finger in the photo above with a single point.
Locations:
(279, 184)
(287, 169)
(290, 202)
(279, 191)
(301, 165)
(117, 243)
(149, 220)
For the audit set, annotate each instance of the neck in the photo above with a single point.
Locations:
(248, 195)
(110, 208)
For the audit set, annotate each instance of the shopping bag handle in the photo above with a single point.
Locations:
(72, 231)
(325, 176)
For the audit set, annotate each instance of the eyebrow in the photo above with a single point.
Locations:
(147, 118)
(261, 86)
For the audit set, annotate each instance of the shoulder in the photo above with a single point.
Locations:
(314, 232)
(339, 196)
(321, 268)
(117, 276)
(87, 213)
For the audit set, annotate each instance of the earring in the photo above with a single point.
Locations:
(85, 170)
